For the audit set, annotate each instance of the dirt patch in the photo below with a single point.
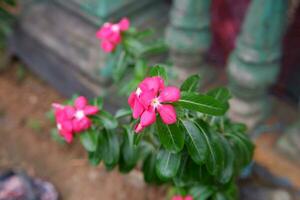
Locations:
(26, 145)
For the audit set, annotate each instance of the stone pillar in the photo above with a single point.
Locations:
(254, 64)
(188, 35)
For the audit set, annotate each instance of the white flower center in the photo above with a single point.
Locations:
(115, 28)
(58, 126)
(138, 91)
(79, 114)
(155, 102)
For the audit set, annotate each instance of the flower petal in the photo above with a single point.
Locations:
(124, 24)
(80, 102)
(68, 136)
(66, 125)
(148, 117)
(82, 124)
(177, 197)
(189, 197)
(90, 110)
(131, 99)
(107, 46)
(69, 111)
(169, 94)
(138, 128)
(147, 97)
(167, 113)
(152, 83)
(138, 109)
(104, 31)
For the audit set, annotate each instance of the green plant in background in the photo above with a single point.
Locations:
(176, 136)
(7, 17)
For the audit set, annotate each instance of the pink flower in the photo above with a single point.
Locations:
(178, 197)
(110, 34)
(73, 119)
(151, 96)
(81, 122)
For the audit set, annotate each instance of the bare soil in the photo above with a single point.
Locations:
(26, 145)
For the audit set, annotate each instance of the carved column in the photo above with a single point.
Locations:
(254, 64)
(188, 34)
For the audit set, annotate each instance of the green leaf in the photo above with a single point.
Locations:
(215, 157)
(129, 152)
(243, 147)
(140, 69)
(167, 164)
(170, 136)
(98, 101)
(195, 142)
(226, 173)
(110, 147)
(123, 113)
(158, 70)
(107, 120)
(222, 94)
(201, 192)
(191, 84)
(89, 140)
(202, 103)
(154, 48)
(150, 175)
(121, 66)
(220, 196)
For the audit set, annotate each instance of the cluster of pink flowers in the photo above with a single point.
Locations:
(178, 197)
(151, 96)
(73, 119)
(110, 34)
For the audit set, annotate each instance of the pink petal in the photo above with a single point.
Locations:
(169, 94)
(82, 124)
(68, 136)
(69, 111)
(189, 197)
(147, 97)
(90, 110)
(148, 117)
(80, 102)
(66, 125)
(105, 31)
(177, 197)
(57, 106)
(152, 83)
(167, 113)
(131, 99)
(138, 128)
(124, 24)
(107, 46)
(115, 38)
(138, 109)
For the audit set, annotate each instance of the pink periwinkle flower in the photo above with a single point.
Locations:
(73, 119)
(178, 197)
(151, 96)
(110, 34)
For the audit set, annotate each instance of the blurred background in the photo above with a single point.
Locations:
(48, 52)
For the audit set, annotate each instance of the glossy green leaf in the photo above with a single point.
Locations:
(89, 140)
(98, 101)
(167, 164)
(202, 103)
(226, 173)
(170, 136)
(154, 48)
(110, 147)
(191, 84)
(129, 152)
(149, 170)
(215, 156)
(107, 120)
(222, 94)
(201, 192)
(158, 70)
(195, 142)
(123, 112)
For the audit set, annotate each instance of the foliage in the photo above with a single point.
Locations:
(201, 154)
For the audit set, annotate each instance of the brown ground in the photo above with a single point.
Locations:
(26, 144)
